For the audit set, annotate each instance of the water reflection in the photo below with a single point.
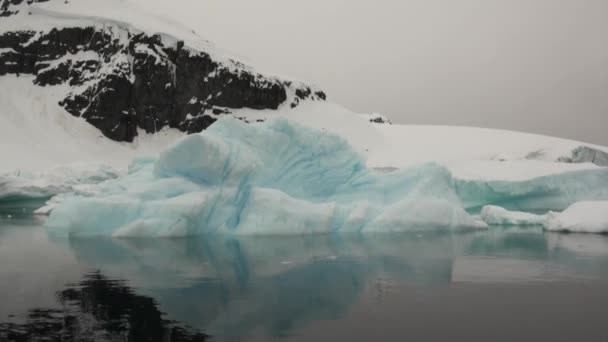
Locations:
(99, 309)
(235, 288)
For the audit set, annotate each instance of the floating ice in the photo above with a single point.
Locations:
(554, 192)
(21, 185)
(581, 217)
(282, 178)
(274, 178)
(494, 215)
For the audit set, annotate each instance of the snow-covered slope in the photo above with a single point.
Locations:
(124, 75)
(37, 134)
(401, 146)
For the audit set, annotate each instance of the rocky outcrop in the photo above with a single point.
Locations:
(121, 80)
(377, 118)
(581, 154)
(11, 7)
(585, 154)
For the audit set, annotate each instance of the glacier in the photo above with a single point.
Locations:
(279, 177)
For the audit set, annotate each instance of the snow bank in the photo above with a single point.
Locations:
(581, 217)
(37, 135)
(273, 178)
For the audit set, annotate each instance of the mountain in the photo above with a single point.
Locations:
(122, 76)
(79, 77)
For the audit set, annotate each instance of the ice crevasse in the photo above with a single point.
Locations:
(278, 177)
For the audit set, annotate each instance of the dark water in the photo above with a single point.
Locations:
(497, 285)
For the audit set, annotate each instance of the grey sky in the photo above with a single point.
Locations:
(532, 65)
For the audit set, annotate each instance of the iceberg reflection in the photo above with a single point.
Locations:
(235, 286)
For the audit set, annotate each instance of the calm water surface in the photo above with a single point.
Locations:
(496, 285)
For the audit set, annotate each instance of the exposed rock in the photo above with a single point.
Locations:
(379, 119)
(10, 7)
(585, 154)
(123, 80)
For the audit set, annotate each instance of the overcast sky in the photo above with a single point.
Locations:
(532, 65)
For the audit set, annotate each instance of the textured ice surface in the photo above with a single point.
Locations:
(282, 178)
(275, 178)
(541, 194)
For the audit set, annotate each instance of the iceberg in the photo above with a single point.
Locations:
(498, 216)
(581, 217)
(272, 178)
(19, 185)
(278, 178)
(24, 192)
(554, 192)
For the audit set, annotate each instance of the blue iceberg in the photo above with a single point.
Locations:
(282, 178)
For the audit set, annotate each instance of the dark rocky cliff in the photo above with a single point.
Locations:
(121, 80)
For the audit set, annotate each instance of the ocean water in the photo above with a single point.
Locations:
(495, 285)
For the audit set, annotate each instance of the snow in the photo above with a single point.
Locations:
(46, 15)
(477, 167)
(469, 151)
(126, 15)
(72, 178)
(513, 170)
(36, 126)
(143, 49)
(6, 50)
(279, 177)
(69, 57)
(581, 217)
(38, 135)
(494, 215)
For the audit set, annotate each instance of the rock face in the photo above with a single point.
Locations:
(121, 80)
(377, 118)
